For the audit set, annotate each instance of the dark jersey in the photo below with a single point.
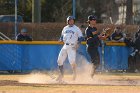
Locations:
(116, 36)
(91, 40)
(21, 37)
(137, 43)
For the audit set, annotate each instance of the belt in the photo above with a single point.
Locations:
(69, 44)
(89, 38)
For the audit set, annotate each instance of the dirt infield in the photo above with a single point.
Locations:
(43, 83)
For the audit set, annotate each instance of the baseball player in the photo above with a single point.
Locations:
(92, 42)
(71, 35)
(118, 35)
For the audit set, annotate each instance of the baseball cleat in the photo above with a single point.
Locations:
(59, 78)
(93, 71)
(74, 76)
(62, 82)
(92, 74)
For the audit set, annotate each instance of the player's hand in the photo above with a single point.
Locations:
(60, 41)
(103, 37)
(94, 33)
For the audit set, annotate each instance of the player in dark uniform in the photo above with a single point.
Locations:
(134, 58)
(92, 42)
(23, 36)
(137, 41)
(117, 35)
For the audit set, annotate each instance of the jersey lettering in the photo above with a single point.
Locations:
(69, 31)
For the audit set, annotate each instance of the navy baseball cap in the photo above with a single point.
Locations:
(91, 17)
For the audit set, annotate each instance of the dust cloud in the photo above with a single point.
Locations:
(35, 77)
(83, 75)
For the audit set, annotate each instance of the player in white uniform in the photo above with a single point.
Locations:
(71, 35)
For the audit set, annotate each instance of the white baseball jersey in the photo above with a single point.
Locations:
(70, 34)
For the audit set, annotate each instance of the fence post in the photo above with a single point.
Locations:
(74, 8)
(15, 18)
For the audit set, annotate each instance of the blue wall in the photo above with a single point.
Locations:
(44, 57)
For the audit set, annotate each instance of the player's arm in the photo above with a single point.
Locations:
(19, 38)
(80, 36)
(94, 33)
(94, 37)
(61, 37)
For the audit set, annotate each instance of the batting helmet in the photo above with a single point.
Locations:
(70, 18)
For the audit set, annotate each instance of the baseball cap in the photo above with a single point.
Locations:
(23, 30)
(91, 17)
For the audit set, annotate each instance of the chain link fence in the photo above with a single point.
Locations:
(52, 31)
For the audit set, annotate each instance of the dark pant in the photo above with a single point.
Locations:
(131, 63)
(134, 62)
(94, 55)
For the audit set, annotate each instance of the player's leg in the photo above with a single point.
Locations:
(95, 61)
(61, 58)
(72, 58)
(93, 69)
(93, 53)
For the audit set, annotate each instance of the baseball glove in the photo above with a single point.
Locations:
(107, 31)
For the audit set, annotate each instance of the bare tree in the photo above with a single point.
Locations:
(129, 12)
